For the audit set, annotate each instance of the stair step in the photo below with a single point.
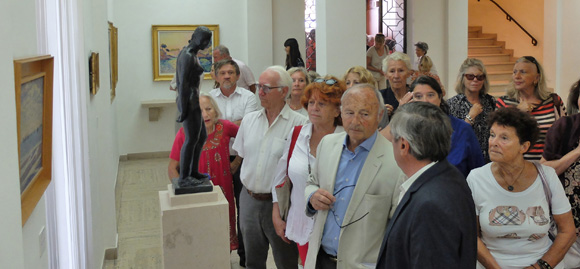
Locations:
(499, 66)
(499, 75)
(491, 49)
(488, 58)
(480, 41)
(474, 28)
(498, 88)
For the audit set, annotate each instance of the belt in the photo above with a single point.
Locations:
(333, 259)
(260, 196)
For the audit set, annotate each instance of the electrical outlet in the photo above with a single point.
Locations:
(42, 240)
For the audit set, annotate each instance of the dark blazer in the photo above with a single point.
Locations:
(434, 225)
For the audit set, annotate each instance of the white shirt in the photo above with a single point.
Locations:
(261, 145)
(246, 76)
(407, 184)
(514, 225)
(298, 225)
(236, 106)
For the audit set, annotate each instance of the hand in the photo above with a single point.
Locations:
(389, 109)
(322, 200)
(406, 98)
(280, 227)
(525, 106)
(234, 167)
(475, 110)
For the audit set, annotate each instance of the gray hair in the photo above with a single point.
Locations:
(397, 56)
(427, 129)
(212, 102)
(222, 49)
(293, 70)
(284, 78)
(377, 94)
(471, 62)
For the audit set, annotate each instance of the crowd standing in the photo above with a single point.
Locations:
(312, 171)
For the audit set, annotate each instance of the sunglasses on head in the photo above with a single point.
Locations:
(328, 82)
(472, 76)
(533, 60)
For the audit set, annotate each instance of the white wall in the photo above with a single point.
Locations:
(103, 141)
(340, 36)
(561, 53)
(443, 25)
(287, 22)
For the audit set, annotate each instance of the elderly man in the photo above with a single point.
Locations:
(246, 80)
(260, 141)
(234, 102)
(354, 182)
(434, 225)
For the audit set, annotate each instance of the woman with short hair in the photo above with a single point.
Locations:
(397, 68)
(514, 199)
(356, 75)
(300, 80)
(375, 56)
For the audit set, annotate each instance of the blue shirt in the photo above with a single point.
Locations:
(465, 153)
(349, 169)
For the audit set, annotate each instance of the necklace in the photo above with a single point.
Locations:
(510, 186)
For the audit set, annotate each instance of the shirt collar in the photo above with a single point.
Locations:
(367, 144)
(407, 184)
(219, 91)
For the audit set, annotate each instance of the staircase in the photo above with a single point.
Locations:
(499, 61)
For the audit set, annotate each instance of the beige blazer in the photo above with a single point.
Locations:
(376, 192)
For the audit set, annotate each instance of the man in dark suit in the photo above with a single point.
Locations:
(434, 225)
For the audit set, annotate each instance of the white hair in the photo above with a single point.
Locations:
(284, 78)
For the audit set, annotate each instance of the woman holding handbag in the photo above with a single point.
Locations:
(515, 200)
(322, 101)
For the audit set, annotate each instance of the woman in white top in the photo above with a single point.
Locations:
(300, 80)
(322, 100)
(375, 56)
(511, 203)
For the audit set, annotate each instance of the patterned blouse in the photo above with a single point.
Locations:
(546, 113)
(459, 107)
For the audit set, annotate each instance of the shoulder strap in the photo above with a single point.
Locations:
(547, 190)
(295, 134)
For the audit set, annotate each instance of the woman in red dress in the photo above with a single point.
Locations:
(214, 159)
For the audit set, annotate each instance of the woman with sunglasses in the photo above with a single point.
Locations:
(322, 101)
(465, 153)
(528, 92)
(472, 103)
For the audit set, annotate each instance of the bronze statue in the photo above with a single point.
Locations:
(188, 76)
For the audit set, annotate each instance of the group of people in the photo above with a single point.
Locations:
(394, 177)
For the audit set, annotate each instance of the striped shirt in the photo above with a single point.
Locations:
(545, 114)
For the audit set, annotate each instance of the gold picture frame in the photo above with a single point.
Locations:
(113, 59)
(33, 79)
(94, 73)
(168, 40)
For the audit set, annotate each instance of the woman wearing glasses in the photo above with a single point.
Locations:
(322, 100)
(472, 103)
(529, 93)
(465, 152)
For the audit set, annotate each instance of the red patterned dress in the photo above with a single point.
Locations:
(215, 161)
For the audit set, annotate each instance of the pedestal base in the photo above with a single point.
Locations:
(195, 229)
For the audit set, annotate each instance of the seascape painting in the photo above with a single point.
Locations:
(31, 116)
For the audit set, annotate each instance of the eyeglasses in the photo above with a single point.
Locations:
(334, 214)
(266, 89)
(533, 60)
(329, 82)
(472, 76)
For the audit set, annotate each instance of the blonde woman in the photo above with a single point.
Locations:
(356, 75)
(300, 80)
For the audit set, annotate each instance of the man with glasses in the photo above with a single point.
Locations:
(434, 225)
(353, 184)
(261, 142)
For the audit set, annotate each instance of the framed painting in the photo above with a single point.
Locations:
(94, 73)
(168, 40)
(33, 79)
(113, 59)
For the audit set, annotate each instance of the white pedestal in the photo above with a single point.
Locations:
(195, 229)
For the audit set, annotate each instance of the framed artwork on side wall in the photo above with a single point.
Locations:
(94, 73)
(113, 59)
(33, 79)
(168, 40)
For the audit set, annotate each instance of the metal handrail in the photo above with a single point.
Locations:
(510, 18)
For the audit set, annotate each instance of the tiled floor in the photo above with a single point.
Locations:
(138, 223)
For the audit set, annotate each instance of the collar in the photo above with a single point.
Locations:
(219, 91)
(407, 184)
(367, 144)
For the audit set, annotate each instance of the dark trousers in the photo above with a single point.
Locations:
(324, 261)
(237, 189)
